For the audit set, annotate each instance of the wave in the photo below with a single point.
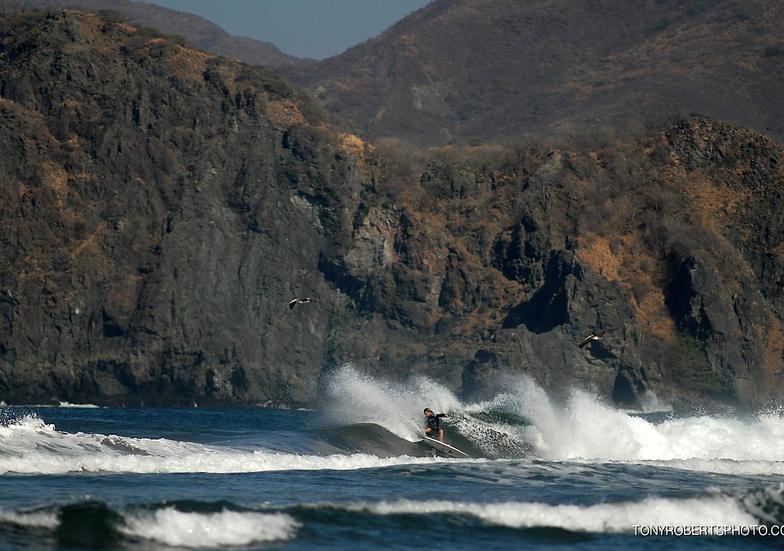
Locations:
(722, 466)
(760, 507)
(604, 517)
(366, 438)
(351, 397)
(29, 519)
(195, 524)
(372, 424)
(184, 529)
(30, 446)
(524, 420)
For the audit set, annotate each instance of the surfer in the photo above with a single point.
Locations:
(433, 428)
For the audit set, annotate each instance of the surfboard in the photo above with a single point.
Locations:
(449, 451)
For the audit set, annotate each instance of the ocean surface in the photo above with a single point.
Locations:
(547, 473)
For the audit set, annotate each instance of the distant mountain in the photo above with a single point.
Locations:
(196, 30)
(488, 69)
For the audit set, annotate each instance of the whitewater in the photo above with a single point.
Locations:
(542, 470)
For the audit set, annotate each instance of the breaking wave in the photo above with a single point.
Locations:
(30, 446)
(189, 525)
(524, 420)
(187, 529)
(371, 424)
(759, 507)
(603, 517)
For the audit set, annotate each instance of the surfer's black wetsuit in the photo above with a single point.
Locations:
(434, 424)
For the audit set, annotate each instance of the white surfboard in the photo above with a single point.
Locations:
(444, 448)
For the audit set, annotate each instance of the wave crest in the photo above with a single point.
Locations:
(184, 529)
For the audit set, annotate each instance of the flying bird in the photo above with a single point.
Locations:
(294, 302)
(592, 337)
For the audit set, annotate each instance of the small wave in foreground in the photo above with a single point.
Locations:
(216, 525)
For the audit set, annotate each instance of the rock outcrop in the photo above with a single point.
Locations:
(160, 206)
(503, 262)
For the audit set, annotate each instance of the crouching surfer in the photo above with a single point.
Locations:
(433, 428)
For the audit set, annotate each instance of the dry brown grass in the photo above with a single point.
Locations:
(123, 292)
(624, 260)
(352, 145)
(714, 204)
(190, 63)
(595, 252)
(284, 114)
(55, 178)
(652, 314)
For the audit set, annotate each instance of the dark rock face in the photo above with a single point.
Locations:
(161, 206)
(548, 307)
(519, 253)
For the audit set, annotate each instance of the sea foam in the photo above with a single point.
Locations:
(580, 428)
(523, 416)
(31, 519)
(603, 517)
(30, 446)
(181, 529)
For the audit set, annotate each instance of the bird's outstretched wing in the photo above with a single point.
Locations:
(585, 341)
(298, 300)
(595, 336)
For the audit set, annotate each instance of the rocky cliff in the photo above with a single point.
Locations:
(160, 207)
(501, 260)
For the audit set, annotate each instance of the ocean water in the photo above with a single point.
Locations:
(548, 473)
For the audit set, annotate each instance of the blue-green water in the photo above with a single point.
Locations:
(351, 475)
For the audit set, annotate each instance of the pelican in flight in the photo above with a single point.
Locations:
(294, 302)
(596, 336)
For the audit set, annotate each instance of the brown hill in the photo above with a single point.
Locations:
(462, 70)
(196, 30)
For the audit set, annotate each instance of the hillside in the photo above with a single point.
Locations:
(160, 207)
(196, 30)
(478, 70)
